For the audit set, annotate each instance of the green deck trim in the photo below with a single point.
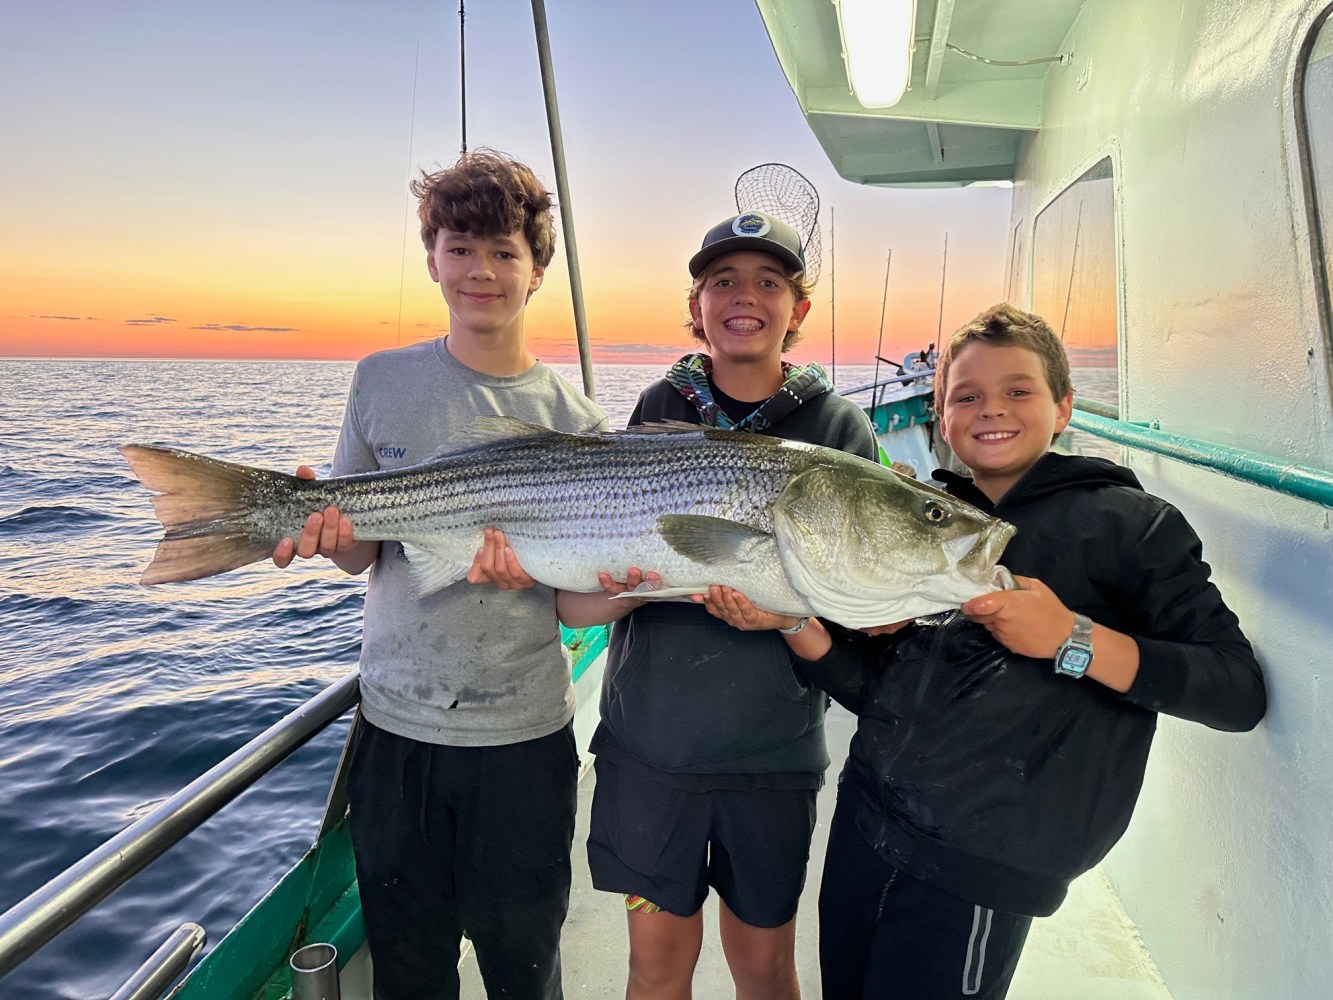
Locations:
(251, 961)
(1300, 481)
(583, 644)
(900, 414)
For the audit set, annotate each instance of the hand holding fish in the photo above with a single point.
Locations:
(581, 610)
(495, 562)
(1030, 621)
(325, 533)
(738, 611)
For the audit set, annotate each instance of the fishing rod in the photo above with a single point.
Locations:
(879, 344)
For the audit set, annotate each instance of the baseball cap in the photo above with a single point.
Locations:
(750, 231)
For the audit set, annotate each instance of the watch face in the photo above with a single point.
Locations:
(1075, 661)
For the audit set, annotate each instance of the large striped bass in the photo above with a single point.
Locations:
(797, 528)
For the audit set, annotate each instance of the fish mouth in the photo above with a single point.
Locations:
(976, 555)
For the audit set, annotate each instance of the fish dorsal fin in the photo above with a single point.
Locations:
(434, 569)
(712, 540)
(491, 429)
(664, 427)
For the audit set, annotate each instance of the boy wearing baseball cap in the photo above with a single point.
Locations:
(711, 745)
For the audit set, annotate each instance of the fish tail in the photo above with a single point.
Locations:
(205, 507)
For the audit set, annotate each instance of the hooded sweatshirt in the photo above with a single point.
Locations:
(992, 777)
(687, 699)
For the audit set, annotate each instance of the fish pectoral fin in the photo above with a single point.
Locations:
(433, 569)
(647, 591)
(711, 540)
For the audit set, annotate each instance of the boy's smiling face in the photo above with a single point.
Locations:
(999, 413)
(486, 281)
(746, 307)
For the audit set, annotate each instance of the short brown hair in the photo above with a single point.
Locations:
(486, 194)
(800, 287)
(1004, 325)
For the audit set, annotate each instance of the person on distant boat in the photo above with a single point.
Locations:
(711, 745)
(464, 764)
(1000, 750)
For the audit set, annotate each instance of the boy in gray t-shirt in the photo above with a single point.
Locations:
(463, 772)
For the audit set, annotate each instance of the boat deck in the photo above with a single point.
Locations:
(1088, 949)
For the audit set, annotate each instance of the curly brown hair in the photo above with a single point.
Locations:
(485, 194)
(1004, 325)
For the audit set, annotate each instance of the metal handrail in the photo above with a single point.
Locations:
(33, 922)
(164, 966)
(892, 380)
(1109, 410)
(1301, 481)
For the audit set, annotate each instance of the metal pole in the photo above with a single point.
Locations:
(462, 68)
(883, 304)
(44, 914)
(832, 296)
(163, 967)
(562, 191)
(944, 273)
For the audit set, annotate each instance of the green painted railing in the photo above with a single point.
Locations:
(583, 644)
(1302, 481)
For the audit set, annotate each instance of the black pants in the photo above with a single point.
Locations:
(884, 935)
(463, 840)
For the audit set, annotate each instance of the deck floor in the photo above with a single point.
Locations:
(1088, 949)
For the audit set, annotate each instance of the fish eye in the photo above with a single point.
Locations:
(936, 514)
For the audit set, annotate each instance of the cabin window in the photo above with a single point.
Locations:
(1315, 94)
(1075, 288)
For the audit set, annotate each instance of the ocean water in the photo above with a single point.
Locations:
(115, 695)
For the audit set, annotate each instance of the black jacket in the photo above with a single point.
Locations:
(700, 704)
(987, 774)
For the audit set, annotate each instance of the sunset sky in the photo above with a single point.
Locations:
(189, 179)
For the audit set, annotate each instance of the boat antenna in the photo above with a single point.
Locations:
(879, 344)
(411, 135)
(1069, 291)
(562, 192)
(944, 271)
(832, 302)
(462, 67)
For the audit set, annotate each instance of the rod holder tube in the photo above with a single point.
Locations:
(315, 973)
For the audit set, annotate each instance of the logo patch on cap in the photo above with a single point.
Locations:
(751, 224)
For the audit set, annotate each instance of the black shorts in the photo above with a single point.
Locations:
(669, 845)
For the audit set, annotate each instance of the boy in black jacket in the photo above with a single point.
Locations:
(1000, 750)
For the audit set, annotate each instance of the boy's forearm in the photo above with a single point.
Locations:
(1117, 661)
(837, 668)
(578, 610)
(356, 560)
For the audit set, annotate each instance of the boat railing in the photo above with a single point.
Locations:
(164, 966)
(36, 920)
(892, 380)
(1301, 481)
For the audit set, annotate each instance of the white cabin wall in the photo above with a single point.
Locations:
(1227, 868)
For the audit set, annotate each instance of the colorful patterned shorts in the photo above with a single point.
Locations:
(640, 904)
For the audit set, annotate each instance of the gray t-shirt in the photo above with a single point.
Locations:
(468, 665)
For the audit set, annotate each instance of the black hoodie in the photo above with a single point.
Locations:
(987, 774)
